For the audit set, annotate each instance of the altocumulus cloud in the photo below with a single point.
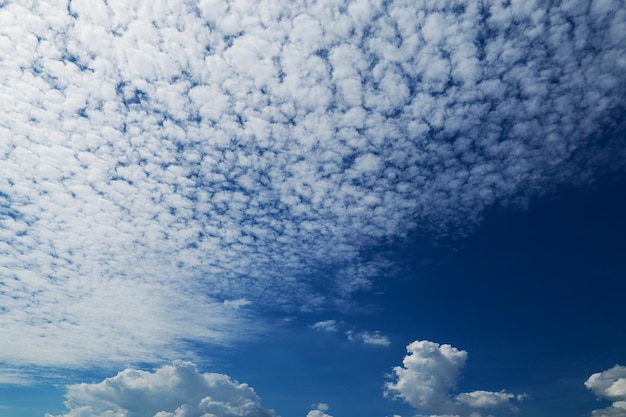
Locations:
(162, 154)
(429, 376)
(177, 390)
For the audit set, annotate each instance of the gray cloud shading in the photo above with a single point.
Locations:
(160, 158)
(176, 390)
(428, 377)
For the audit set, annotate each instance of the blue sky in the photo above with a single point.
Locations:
(331, 208)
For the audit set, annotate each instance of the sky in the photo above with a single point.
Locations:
(324, 208)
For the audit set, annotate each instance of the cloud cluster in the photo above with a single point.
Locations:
(610, 385)
(161, 157)
(429, 376)
(320, 411)
(176, 390)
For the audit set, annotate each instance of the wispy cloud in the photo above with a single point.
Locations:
(326, 326)
(159, 158)
(366, 337)
(9, 376)
(429, 377)
(369, 338)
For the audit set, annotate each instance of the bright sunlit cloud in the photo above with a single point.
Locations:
(177, 390)
(610, 385)
(429, 377)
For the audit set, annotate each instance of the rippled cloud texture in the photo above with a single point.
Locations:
(167, 166)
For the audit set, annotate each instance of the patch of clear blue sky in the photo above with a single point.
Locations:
(535, 296)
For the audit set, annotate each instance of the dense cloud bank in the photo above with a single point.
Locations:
(164, 154)
(428, 377)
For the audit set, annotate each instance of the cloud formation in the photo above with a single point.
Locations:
(369, 338)
(320, 411)
(610, 385)
(176, 390)
(161, 157)
(329, 326)
(429, 377)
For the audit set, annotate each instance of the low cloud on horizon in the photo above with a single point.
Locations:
(426, 381)
(177, 390)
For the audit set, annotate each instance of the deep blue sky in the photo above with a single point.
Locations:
(534, 295)
(323, 208)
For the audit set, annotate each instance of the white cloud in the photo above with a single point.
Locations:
(487, 399)
(365, 337)
(320, 411)
(429, 372)
(610, 385)
(10, 376)
(429, 376)
(375, 338)
(159, 158)
(176, 390)
(241, 302)
(326, 326)
(369, 338)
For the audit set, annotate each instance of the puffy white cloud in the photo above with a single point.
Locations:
(161, 157)
(176, 390)
(429, 372)
(611, 385)
(320, 411)
(428, 377)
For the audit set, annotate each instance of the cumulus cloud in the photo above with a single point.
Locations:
(610, 385)
(429, 377)
(161, 157)
(319, 411)
(177, 390)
